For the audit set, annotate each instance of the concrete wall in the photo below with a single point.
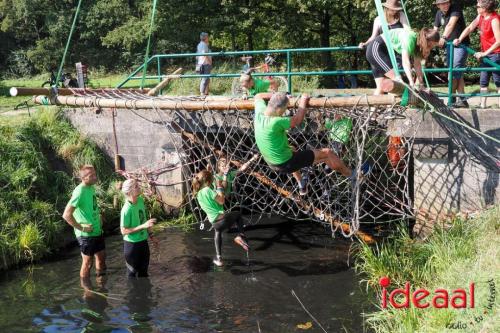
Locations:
(447, 180)
(143, 141)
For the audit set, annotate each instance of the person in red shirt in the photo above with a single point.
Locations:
(488, 22)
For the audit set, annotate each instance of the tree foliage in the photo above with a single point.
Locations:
(112, 34)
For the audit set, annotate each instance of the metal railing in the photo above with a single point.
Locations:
(289, 67)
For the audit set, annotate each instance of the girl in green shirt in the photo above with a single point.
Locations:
(212, 203)
(135, 230)
(409, 45)
(225, 176)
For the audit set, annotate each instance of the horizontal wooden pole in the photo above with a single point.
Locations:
(189, 104)
(22, 91)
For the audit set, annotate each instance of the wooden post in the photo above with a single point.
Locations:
(156, 90)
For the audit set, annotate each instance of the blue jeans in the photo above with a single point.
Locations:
(459, 60)
(205, 69)
(484, 79)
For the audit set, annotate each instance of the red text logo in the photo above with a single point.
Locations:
(422, 298)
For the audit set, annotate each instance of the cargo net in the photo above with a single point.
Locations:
(357, 134)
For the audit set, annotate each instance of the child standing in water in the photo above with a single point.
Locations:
(135, 230)
(212, 203)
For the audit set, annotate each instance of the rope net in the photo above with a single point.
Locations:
(357, 134)
(380, 135)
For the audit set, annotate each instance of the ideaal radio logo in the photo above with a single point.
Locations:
(421, 298)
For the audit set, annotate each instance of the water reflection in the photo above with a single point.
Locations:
(96, 300)
(187, 293)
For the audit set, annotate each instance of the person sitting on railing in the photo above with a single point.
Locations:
(488, 22)
(271, 137)
(254, 86)
(408, 44)
(395, 19)
(451, 18)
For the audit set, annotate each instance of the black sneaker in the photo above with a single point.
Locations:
(460, 104)
(303, 187)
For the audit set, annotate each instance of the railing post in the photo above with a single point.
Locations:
(289, 69)
(450, 73)
(159, 68)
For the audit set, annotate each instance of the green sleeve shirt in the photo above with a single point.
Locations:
(230, 178)
(271, 136)
(340, 130)
(403, 39)
(206, 199)
(86, 211)
(133, 215)
(259, 86)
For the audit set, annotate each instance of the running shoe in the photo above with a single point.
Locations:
(241, 242)
(218, 262)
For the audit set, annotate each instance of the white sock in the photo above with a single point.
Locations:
(483, 99)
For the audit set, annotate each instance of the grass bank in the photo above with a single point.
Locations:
(38, 158)
(467, 251)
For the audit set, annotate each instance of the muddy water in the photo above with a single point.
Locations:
(186, 293)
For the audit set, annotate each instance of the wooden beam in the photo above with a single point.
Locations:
(188, 104)
(156, 90)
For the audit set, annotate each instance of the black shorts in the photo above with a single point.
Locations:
(378, 57)
(89, 246)
(300, 159)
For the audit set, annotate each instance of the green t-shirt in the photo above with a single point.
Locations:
(133, 215)
(230, 178)
(259, 86)
(271, 135)
(403, 39)
(206, 199)
(340, 130)
(86, 211)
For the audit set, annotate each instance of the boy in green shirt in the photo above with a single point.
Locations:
(271, 137)
(82, 213)
(254, 86)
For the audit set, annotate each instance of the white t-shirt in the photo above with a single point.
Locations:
(402, 18)
(203, 60)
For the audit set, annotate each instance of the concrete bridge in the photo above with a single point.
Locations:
(446, 180)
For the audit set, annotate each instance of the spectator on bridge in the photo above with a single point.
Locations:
(408, 44)
(451, 18)
(204, 63)
(488, 22)
(395, 18)
(393, 15)
(212, 203)
(82, 213)
(271, 137)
